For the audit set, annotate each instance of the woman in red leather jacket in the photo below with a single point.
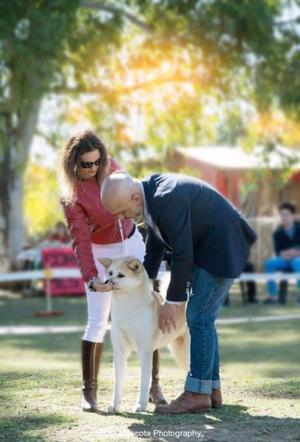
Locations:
(96, 233)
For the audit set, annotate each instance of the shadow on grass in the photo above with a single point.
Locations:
(18, 428)
(231, 423)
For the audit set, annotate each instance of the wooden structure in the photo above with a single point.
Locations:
(252, 181)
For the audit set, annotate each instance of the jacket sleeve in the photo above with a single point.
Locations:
(179, 230)
(81, 244)
(155, 250)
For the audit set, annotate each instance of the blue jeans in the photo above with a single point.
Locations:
(205, 300)
(277, 263)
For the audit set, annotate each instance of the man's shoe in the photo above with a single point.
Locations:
(187, 402)
(216, 398)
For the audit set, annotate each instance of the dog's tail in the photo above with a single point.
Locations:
(180, 351)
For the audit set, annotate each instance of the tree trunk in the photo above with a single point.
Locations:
(12, 167)
(4, 193)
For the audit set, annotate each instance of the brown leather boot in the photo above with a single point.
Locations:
(216, 398)
(155, 394)
(187, 402)
(90, 358)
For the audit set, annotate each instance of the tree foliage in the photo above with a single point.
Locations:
(41, 205)
(201, 75)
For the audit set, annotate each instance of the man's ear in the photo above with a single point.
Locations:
(106, 262)
(135, 265)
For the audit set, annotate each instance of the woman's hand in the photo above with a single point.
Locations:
(102, 286)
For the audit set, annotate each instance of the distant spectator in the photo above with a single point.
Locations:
(287, 248)
(60, 233)
(30, 255)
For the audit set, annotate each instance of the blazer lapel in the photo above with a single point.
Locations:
(153, 212)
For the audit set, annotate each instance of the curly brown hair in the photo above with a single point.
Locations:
(77, 145)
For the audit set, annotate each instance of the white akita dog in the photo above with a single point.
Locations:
(134, 314)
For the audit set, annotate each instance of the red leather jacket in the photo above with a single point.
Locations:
(89, 222)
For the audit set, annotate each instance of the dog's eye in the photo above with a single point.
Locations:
(111, 273)
(120, 275)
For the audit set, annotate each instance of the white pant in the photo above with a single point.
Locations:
(99, 302)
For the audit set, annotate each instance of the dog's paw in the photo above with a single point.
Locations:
(112, 409)
(140, 408)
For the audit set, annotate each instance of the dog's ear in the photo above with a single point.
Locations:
(106, 262)
(135, 265)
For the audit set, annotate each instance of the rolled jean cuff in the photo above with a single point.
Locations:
(195, 385)
(216, 385)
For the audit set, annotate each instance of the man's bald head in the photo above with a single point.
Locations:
(122, 195)
(116, 187)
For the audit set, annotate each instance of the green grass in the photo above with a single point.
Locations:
(41, 382)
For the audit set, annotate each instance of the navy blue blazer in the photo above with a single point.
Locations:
(198, 225)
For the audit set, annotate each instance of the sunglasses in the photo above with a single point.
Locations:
(90, 164)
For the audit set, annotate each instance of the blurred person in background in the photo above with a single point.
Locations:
(96, 234)
(30, 256)
(60, 233)
(286, 239)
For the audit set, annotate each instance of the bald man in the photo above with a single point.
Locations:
(210, 243)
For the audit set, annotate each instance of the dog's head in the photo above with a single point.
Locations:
(124, 273)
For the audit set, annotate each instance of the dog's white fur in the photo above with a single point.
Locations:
(134, 315)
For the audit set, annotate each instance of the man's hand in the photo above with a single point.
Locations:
(102, 287)
(294, 253)
(289, 254)
(284, 254)
(167, 317)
